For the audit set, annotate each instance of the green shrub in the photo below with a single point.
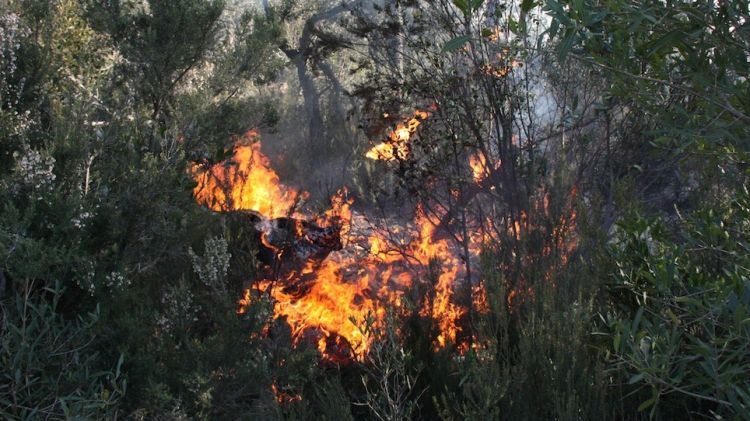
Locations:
(48, 365)
(532, 359)
(680, 326)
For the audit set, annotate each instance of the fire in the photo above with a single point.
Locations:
(478, 164)
(245, 182)
(335, 275)
(352, 288)
(330, 301)
(501, 64)
(283, 397)
(332, 305)
(443, 310)
(480, 167)
(396, 147)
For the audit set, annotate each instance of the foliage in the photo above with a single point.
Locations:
(531, 357)
(161, 41)
(97, 200)
(50, 368)
(678, 323)
(391, 374)
(675, 79)
(111, 275)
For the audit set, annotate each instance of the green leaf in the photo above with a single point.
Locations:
(666, 43)
(637, 319)
(553, 28)
(555, 7)
(558, 13)
(567, 44)
(119, 365)
(596, 17)
(456, 43)
(526, 5)
(687, 300)
(636, 378)
(616, 343)
(462, 5)
(578, 8)
(647, 404)
(636, 23)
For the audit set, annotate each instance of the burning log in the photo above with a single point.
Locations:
(285, 244)
(288, 246)
(297, 239)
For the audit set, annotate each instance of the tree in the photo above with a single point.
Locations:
(676, 94)
(160, 40)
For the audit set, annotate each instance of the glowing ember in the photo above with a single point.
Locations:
(284, 397)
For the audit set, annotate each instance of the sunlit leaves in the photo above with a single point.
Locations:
(682, 333)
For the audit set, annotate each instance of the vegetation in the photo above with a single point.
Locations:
(586, 162)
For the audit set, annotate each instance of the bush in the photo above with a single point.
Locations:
(680, 332)
(532, 359)
(48, 366)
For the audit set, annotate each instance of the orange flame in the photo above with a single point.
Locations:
(478, 165)
(334, 302)
(351, 289)
(245, 182)
(396, 147)
(335, 299)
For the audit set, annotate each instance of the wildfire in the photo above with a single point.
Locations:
(333, 301)
(334, 275)
(245, 182)
(396, 147)
(352, 288)
(501, 64)
(443, 309)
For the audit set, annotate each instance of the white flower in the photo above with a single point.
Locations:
(85, 278)
(34, 169)
(212, 268)
(178, 309)
(116, 280)
(80, 220)
(12, 32)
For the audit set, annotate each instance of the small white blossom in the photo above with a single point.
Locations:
(80, 220)
(116, 280)
(85, 278)
(213, 266)
(34, 169)
(178, 309)
(12, 32)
